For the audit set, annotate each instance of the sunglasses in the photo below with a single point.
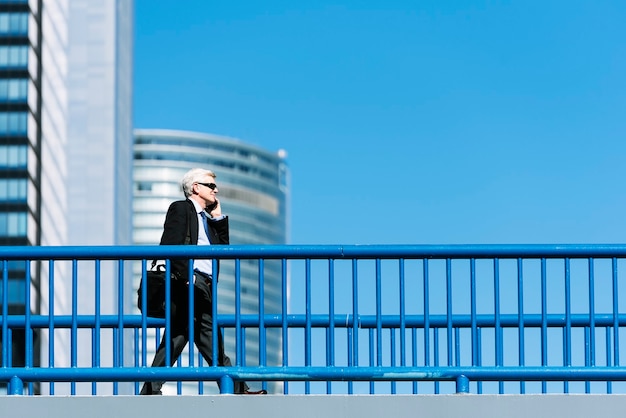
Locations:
(211, 186)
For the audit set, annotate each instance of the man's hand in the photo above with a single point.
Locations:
(216, 209)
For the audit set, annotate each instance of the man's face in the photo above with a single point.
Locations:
(206, 190)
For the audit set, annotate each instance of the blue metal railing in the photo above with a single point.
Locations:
(329, 319)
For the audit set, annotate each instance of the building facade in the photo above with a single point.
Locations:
(254, 193)
(65, 147)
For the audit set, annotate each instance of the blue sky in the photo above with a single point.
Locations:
(407, 122)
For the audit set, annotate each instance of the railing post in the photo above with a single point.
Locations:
(227, 385)
(16, 386)
(462, 384)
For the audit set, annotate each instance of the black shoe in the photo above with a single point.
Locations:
(254, 392)
(148, 390)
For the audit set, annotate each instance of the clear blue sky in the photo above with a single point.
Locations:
(409, 122)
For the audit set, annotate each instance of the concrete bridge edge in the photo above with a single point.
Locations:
(316, 406)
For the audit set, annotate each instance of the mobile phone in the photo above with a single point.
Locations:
(212, 206)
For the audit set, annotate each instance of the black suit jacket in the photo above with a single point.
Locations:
(181, 227)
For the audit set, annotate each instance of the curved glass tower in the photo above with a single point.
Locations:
(253, 190)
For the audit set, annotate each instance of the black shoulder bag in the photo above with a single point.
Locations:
(155, 287)
(155, 291)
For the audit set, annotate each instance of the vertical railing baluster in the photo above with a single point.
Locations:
(191, 332)
(474, 328)
(330, 338)
(168, 315)
(74, 327)
(136, 358)
(436, 354)
(520, 319)
(567, 332)
(28, 332)
(587, 356)
(609, 361)
(239, 349)
(591, 329)
(120, 319)
(402, 291)
(473, 311)
(379, 318)
(144, 317)
(457, 346)
(414, 355)
(544, 321)
(371, 356)
(426, 296)
(95, 361)
(15, 386)
(615, 313)
(5, 312)
(496, 313)
(449, 311)
(285, 312)
(261, 329)
(479, 345)
(392, 338)
(217, 329)
(307, 326)
(349, 343)
(51, 319)
(355, 320)
(590, 358)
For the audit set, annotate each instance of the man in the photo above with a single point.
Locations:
(185, 224)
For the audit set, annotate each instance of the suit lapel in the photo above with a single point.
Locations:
(192, 219)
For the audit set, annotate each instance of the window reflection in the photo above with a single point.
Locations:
(17, 292)
(12, 190)
(13, 224)
(13, 56)
(12, 90)
(13, 156)
(13, 23)
(13, 123)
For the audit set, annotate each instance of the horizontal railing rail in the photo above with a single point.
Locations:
(323, 321)
(138, 252)
(329, 319)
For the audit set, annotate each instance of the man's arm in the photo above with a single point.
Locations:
(175, 226)
(221, 231)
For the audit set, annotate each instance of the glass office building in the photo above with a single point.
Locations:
(253, 190)
(65, 126)
(20, 148)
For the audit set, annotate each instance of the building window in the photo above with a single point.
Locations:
(13, 56)
(12, 190)
(13, 224)
(144, 186)
(17, 292)
(13, 156)
(13, 23)
(13, 123)
(15, 266)
(12, 90)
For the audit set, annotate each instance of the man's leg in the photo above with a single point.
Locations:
(179, 337)
(204, 331)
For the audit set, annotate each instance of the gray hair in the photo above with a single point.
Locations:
(195, 175)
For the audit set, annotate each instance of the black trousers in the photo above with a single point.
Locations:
(203, 332)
